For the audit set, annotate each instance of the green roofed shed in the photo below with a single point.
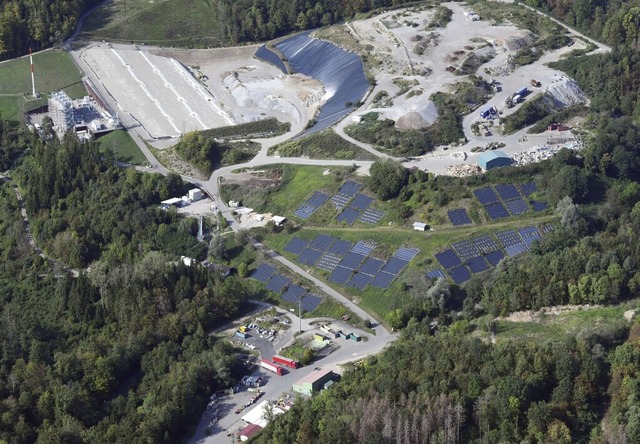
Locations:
(493, 159)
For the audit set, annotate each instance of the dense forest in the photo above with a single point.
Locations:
(119, 353)
(37, 24)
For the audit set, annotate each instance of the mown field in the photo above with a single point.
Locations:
(163, 22)
(54, 70)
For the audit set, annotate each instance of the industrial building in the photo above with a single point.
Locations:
(249, 432)
(61, 111)
(314, 382)
(493, 159)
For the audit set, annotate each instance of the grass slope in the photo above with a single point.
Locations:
(54, 70)
(122, 145)
(163, 22)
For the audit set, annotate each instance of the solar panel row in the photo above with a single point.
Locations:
(309, 256)
(340, 200)
(507, 192)
(406, 254)
(364, 247)
(517, 207)
(466, 249)
(485, 195)
(496, 211)
(277, 283)
(321, 242)
(296, 246)
(349, 188)
(340, 275)
(435, 274)
(310, 302)
(352, 260)
(328, 261)
(263, 273)
(371, 216)
(360, 280)
(528, 189)
(317, 199)
(448, 259)
(361, 202)
(304, 211)
(460, 274)
(348, 215)
(340, 247)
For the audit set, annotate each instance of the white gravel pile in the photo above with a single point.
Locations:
(565, 92)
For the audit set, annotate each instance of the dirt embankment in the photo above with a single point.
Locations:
(536, 316)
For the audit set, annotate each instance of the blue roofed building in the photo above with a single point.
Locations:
(493, 159)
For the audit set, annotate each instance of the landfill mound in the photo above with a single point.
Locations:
(246, 98)
(516, 42)
(565, 92)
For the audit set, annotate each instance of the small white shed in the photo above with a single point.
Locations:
(420, 226)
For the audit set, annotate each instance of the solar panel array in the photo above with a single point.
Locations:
(306, 210)
(278, 283)
(476, 255)
(351, 204)
(459, 217)
(348, 264)
(507, 200)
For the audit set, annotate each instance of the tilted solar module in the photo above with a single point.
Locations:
(517, 207)
(406, 254)
(394, 266)
(361, 202)
(278, 283)
(371, 266)
(485, 195)
(328, 261)
(528, 189)
(309, 256)
(340, 201)
(352, 260)
(515, 250)
(548, 228)
(371, 216)
(448, 259)
(364, 247)
(509, 238)
(485, 243)
(466, 249)
(539, 206)
(293, 293)
(317, 199)
(304, 211)
(477, 264)
(496, 211)
(340, 275)
(437, 273)
(310, 302)
(321, 242)
(460, 274)
(530, 235)
(263, 273)
(340, 247)
(348, 215)
(507, 192)
(296, 246)
(459, 217)
(349, 188)
(382, 280)
(360, 280)
(494, 257)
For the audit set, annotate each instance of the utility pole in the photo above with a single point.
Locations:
(300, 313)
